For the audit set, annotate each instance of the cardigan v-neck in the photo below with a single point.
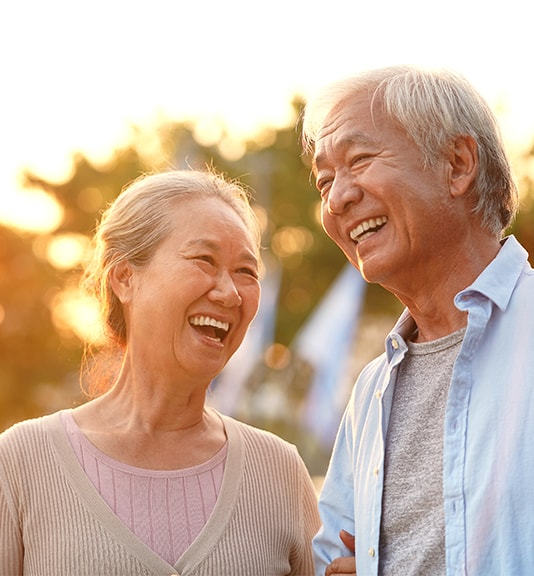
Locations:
(55, 521)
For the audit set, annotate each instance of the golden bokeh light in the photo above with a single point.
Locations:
(291, 240)
(208, 131)
(76, 313)
(31, 210)
(277, 356)
(66, 251)
(232, 148)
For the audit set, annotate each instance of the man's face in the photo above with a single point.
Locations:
(388, 214)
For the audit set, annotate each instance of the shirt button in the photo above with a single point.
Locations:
(371, 552)
(375, 472)
(378, 394)
(395, 343)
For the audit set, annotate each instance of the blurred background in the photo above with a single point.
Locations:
(94, 94)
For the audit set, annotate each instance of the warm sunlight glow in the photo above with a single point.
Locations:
(262, 216)
(231, 148)
(208, 132)
(31, 210)
(66, 251)
(241, 84)
(277, 356)
(73, 312)
(291, 240)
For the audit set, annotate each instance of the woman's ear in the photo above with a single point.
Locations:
(463, 161)
(121, 280)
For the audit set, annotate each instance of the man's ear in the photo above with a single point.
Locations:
(463, 159)
(121, 280)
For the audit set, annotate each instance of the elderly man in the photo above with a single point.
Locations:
(433, 466)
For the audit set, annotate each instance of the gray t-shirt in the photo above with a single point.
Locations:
(412, 532)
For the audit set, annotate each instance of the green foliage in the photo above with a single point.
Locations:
(39, 358)
(34, 359)
(523, 226)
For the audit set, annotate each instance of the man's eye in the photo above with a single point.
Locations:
(249, 271)
(360, 158)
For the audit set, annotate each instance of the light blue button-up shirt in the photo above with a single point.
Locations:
(488, 454)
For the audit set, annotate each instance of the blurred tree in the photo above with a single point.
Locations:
(523, 227)
(40, 350)
(34, 358)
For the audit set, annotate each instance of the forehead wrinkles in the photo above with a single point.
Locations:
(330, 143)
(342, 127)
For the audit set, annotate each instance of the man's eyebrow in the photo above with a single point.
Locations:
(342, 144)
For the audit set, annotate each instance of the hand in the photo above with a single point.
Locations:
(344, 564)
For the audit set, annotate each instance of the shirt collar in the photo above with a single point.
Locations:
(499, 279)
(496, 282)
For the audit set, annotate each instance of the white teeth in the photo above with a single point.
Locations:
(208, 321)
(372, 224)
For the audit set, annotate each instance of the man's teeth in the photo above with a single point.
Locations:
(365, 229)
(208, 321)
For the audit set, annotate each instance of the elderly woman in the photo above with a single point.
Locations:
(145, 479)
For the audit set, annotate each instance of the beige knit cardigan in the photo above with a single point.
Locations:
(54, 523)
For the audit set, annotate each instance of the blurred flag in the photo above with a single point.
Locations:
(325, 342)
(226, 390)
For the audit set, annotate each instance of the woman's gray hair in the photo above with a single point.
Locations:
(433, 107)
(136, 223)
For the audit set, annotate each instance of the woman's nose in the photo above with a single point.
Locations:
(225, 291)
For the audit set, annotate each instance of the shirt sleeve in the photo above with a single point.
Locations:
(336, 502)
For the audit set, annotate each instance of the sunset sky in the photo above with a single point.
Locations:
(76, 74)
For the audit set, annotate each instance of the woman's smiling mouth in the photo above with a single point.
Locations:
(210, 327)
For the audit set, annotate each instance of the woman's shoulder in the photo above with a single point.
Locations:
(258, 438)
(28, 432)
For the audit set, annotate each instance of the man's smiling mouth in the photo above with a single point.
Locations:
(367, 228)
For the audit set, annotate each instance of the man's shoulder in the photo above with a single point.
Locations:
(373, 371)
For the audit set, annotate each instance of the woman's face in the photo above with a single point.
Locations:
(189, 308)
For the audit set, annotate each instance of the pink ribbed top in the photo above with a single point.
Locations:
(165, 509)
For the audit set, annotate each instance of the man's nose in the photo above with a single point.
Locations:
(343, 192)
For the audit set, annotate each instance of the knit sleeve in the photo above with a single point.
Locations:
(11, 548)
(302, 563)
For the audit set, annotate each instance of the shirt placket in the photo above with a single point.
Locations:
(455, 435)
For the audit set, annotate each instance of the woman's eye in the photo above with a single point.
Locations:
(205, 258)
